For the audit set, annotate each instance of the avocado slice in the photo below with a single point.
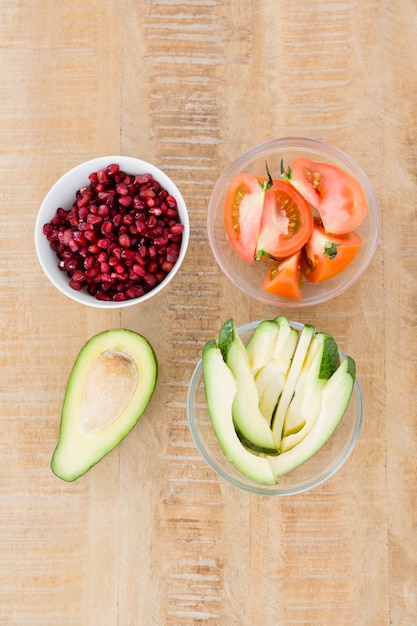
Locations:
(321, 362)
(304, 340)
(245, 409)
(270, 379)
(335, 397)
(220, 388)
(271, 340)
(109, 387)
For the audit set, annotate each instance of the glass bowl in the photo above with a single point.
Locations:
(248, 277)
(318, 469)
(62, 194)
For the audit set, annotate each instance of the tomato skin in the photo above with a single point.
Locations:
(325, 256)
(242, 214)
(337, 196)
(283, 278)
(286, 224)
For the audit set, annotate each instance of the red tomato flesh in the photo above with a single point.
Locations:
(242, 214)
(283, 278)
(326, 255)
(286, 224)
(337, 196)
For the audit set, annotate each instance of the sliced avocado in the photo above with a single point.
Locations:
(270, 381)
(109, 387)
(321, 362)
(259, 450)
(262, 343)
(285, 344)
(220, 388)
(304, 339)
(271, 340)
(246, 414)
(335, 394)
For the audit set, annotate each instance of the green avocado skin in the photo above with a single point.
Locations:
(227, 335)
(330, 359)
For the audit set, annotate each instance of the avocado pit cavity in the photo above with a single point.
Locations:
(102, 401)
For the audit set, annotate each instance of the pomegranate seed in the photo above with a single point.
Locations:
(101, 295)
(143, 179)
(106, 227)
(85, 198)
(138, 269)
(77, 286)
(150, 279)
(119, 268)
(102, 177)
(166, 266)
(73, 246)
(121, 188)
(125, 201)
(147, 192)
(172, 254)
(135, 291)
(91, 235)
(176, 228)
(152, 267)
(103, 243)
(89, 262)
(112, 169)
(160, 241)
(78, 276)
(171, 213)
(124, 240)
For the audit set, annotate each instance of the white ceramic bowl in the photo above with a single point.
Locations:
(248, 277)
(324, 464)
(62, 194)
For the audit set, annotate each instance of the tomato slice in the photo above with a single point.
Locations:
(286, 224)
(326, 255)
(283, 278)
(242, 214)
(337, 196)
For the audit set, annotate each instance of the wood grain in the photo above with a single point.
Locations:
(151, 535)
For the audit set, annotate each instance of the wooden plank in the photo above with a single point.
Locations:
(151, 535)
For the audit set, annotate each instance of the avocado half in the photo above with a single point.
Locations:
(109, 388)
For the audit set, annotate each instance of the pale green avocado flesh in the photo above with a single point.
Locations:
(220, 388)
(109, 388)
(312, 392)
(245, 407)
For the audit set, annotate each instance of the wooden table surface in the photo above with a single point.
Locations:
(151, 536)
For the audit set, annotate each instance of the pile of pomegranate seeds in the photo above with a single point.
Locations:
(121, 236)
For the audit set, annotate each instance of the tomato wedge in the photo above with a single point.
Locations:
(326, 255)
(242, 214)
(286, 224)
(283, 278)
(337, 196)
